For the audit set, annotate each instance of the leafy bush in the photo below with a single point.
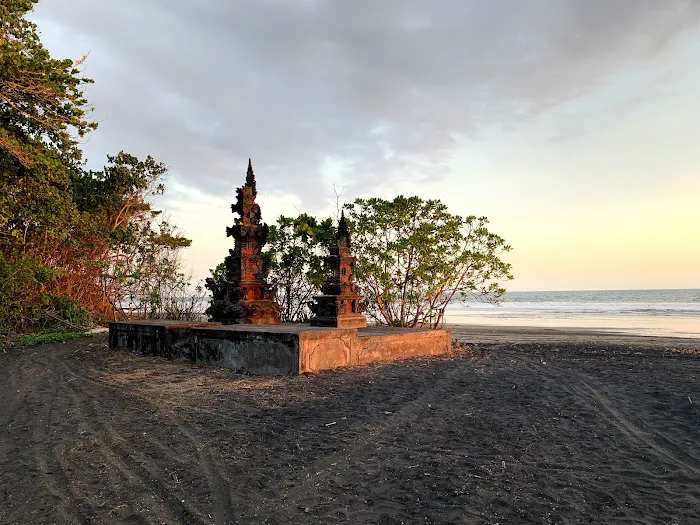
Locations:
(414, 258)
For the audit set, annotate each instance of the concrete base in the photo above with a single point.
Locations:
(341, 321)
(287, 349)
(169, 339)
(388, 344)
(261, 311)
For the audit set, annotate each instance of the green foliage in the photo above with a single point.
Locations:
(120, 187)
(42, 117)
(65, 310)
(296, 248)
(21, 282)
(25, 299)
(75, 245)
(219, 278)
(294, 256)
(414, 257)
(42, 107)
(140, 260)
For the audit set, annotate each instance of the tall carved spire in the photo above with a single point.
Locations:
(250, 178)
(243, 295)
(341, 304)
(343, 230)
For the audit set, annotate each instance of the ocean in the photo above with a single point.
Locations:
(674, 313)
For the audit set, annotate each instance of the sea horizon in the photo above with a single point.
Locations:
(672, 312)
(605, 290)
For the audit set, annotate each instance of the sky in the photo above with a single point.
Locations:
(574, 125)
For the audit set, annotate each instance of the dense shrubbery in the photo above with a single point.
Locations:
(75, 245)
(414, 258)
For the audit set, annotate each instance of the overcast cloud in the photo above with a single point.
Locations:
(383, 88)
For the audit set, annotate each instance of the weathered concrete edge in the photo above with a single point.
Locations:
(160, 338)
(253, 352)
(391, 347)
(325, 350)
(276, 353)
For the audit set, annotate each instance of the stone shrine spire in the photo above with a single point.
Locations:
(341, 303)
(242, 294)
(343, 230)
(250, 178)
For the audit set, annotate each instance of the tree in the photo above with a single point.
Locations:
(414, 258)
(136, 250)
(296, 247)
(41, 99)
(42, 117)
(74, 244)
(114, 255)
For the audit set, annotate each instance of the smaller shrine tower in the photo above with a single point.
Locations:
(243, 295)
(341, 304)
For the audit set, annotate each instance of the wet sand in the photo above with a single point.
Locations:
(518, 426)
(519, 335)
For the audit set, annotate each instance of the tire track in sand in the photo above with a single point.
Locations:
(408, 414)
(36, 412)
(588, 388)
(625, 425)
(117, 454)
(219, 491)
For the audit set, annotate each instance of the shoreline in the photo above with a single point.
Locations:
(513, 335)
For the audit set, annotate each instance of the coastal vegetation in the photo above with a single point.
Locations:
(80, 246)
(46, 338)
(76, 245)
(297, 246)
(413, 259)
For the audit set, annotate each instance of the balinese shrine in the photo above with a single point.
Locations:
(341, 304)
(244, 295)
(244, 332)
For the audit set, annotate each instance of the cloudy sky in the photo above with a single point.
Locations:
(574, 125)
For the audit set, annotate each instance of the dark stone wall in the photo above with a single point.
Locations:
(141, 339)
(169, 339)
(250, 352)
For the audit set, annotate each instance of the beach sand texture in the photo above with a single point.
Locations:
(520, 426)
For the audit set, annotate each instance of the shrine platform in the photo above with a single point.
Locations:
(281, 349)
(163, 338)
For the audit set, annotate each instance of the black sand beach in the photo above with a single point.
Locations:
(519, 426)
